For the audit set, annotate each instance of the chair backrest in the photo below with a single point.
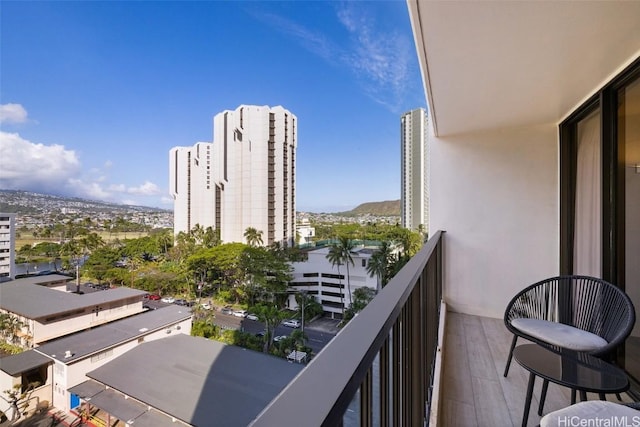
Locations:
(587, 303)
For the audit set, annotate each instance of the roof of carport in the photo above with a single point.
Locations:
(119, 406)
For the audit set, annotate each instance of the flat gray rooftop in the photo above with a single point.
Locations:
(197, 380)
(35, 301)
(23, 362)
(43, 279)
(101, 338)
(119, 406)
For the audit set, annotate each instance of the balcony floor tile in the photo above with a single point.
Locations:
(474, 392)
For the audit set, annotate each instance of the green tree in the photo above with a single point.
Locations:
(164, 240)
(220, 265)
(253, 237)
(344, 247)
(10, 326)
(312, 307)
(266, 273)
(271, 316)
(19, 399)
(361, 297)
(379, 264)
(101, 263)
(335, 258)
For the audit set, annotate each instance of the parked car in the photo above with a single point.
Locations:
(154, 297)
(261, 333)
(292, 323)
(279, 338)
(252, 316)
(180, 301)
(206, 306)
(169, 300)
(240, 313)
(227, 310)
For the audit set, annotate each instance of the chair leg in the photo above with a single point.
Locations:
(513, 345)
(543, 396)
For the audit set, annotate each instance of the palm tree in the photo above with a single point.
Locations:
(379, 264)
(345, 246)
(164, 239)
(211, 237)
(335, 258)
(253, 236)
(10, 326)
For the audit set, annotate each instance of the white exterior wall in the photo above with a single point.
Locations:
(203, 190)
(179, 188)
(242, 141)
(39, 394)
(7, 246)
(46, 331)
(70, 375)
(414, 169)
(497, 200)
(318, 265)
(192, 187)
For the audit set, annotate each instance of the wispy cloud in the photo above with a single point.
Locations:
(146, 189)
(380, 59)
(12, 113)
(313, 41)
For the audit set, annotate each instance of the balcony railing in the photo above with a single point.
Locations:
(378, 370)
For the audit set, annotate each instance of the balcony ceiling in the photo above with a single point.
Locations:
(490, 65)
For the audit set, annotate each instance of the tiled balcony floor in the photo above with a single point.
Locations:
(474, 392)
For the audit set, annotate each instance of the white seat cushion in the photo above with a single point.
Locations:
(592, 413)
(559, 334)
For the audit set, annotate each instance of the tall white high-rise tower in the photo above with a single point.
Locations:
(414, 201)
(7, 246)
(245, 178)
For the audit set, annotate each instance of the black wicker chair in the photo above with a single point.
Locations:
(585, 303)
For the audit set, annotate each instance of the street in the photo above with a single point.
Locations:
(318, 338)
(319, 332)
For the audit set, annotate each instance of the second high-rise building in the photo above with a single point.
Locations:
(414, 200)
(245, 178)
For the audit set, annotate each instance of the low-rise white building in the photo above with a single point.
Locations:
(305, 232)
(328, 283)
(46, 313)
(75, 355)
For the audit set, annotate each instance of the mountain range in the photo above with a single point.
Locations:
(16, 201)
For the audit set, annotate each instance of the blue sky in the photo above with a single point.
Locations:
(93, 95)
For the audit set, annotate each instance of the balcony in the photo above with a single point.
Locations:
(378, 369)
(448, 368)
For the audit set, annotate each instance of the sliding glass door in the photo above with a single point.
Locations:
(628, 128)
(600, 195)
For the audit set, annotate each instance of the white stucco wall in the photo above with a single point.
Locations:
(111, 311)
(75, 373)
(496, 196)
(39, 394)
(318, 264)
